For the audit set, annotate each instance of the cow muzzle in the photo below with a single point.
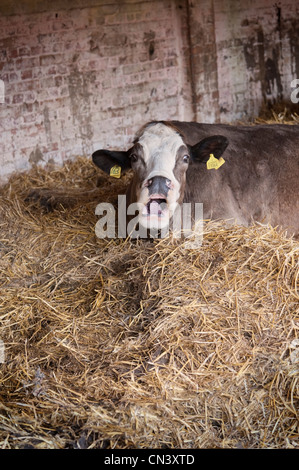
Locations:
(156, 211)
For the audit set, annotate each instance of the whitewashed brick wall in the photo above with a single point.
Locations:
(79, 75)
(82, 78)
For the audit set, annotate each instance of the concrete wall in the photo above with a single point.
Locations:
(79, 75)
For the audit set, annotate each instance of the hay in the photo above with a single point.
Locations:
(122, 344)
(279, 113)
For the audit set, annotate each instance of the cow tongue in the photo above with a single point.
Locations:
(154, 208)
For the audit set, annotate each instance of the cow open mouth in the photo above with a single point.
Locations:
(155, 207)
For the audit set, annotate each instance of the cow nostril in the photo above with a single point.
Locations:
(158, 184)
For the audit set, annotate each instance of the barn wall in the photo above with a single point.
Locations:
(79, 75)
(81, 78)
(257, 54)
(244, 55)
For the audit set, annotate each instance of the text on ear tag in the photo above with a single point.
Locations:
(115, 171)
(214, 163)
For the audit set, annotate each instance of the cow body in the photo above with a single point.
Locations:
(259, 180)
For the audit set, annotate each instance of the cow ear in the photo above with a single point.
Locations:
(215, 145)
(106, 159)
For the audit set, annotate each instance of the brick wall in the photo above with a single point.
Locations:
(257, 45)
(204, 71)
(79, 75)
(244, 55)
(81, 78)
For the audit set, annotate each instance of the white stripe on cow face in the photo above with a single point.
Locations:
(160, 144)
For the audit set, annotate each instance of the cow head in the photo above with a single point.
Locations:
(159, 158)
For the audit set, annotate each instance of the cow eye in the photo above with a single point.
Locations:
(186, 158)
(133, 157)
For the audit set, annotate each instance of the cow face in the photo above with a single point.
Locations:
(159, 158)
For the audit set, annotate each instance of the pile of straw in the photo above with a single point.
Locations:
(278, 113)
(139, 344)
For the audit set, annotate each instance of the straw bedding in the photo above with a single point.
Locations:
(139, 344)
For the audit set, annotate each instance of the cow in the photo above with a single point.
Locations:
(240, 173)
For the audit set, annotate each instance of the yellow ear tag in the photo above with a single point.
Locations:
(214, 162)
(115, 171)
